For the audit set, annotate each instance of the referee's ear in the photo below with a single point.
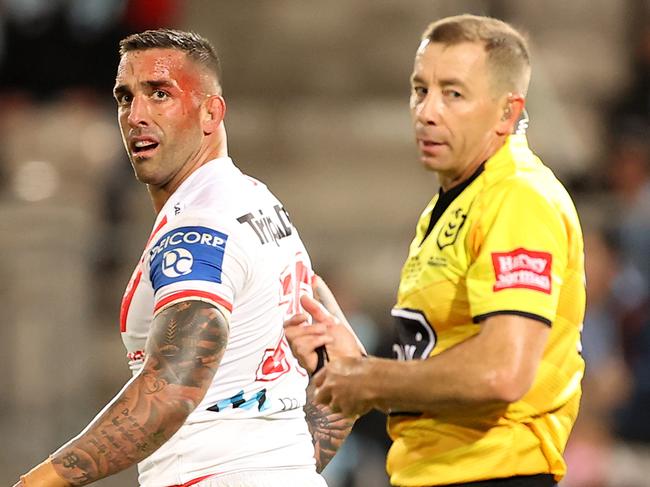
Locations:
(513, 105)
(213, 112)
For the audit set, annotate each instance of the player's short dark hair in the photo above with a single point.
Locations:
(507, 49)
(197, 47)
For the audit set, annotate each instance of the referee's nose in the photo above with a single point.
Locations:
(428, 111)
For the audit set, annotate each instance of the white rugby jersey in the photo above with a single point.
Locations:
(223, 238)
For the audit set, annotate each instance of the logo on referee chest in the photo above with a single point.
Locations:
(450, 230)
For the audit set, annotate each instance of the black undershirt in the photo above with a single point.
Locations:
(446, 198)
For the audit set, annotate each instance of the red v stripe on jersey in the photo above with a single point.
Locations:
(135, 280)
(162, 223)
(194, 481)
(128, 297)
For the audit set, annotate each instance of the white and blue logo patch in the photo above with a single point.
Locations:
(177, 262)
(187, 253)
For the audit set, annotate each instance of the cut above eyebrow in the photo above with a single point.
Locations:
(159, 83)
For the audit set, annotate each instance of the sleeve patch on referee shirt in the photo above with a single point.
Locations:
(187, 253)
(522, 268)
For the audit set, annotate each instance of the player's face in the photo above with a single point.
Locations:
(454, 110)
(158, 94)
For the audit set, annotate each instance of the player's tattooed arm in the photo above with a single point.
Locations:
(328, 429)
(184, 349)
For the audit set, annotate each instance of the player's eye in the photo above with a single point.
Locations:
(160, 95)
(124, 99)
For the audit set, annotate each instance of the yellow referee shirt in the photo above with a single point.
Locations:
(506, 241)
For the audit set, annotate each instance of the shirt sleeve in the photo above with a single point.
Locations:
(197, 258)
(521, 256)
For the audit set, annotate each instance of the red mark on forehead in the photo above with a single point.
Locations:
(159, 65)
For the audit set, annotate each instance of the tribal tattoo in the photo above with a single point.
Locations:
(328, 429)
(183, 350)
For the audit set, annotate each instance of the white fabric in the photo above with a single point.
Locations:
(263, 267)
(297, 478)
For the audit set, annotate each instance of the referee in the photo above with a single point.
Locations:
(491, 299)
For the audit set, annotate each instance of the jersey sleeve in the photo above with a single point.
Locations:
(197, 258)
(521, 253)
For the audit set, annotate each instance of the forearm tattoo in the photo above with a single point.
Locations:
(183, 350)
(328, 429)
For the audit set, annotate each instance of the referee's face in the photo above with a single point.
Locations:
(455, 113)
(158, 94)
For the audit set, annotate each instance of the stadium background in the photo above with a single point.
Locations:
(317, 95)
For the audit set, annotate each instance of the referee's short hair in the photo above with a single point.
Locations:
(507, 51)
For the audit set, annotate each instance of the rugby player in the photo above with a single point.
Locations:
(216, 397)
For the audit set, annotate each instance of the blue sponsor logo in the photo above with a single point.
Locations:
(187, 253)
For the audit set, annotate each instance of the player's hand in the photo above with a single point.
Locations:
(304, 338)
(42, 475)
(325, 330)
(344, 385)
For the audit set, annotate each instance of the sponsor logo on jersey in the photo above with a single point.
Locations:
(274, 363)
(269, 229)
(415, 337)
(135, 356)
(177, 262)
(188, 236)
(187, 253)
(522, 268)
(240, 401)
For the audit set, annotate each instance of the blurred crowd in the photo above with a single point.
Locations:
(73, 220)
(611, 441)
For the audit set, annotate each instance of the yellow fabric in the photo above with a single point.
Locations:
(511, 241)
(43, 475)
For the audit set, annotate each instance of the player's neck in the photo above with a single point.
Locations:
(160, 194)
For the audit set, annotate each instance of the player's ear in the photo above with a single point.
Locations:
(513, 105)
(212, 113)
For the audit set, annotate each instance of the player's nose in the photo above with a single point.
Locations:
(139, 112)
